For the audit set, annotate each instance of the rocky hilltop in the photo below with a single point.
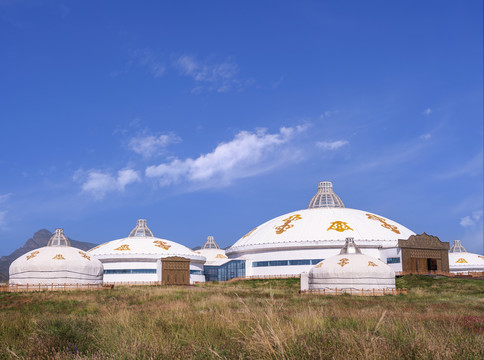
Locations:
(40, 239)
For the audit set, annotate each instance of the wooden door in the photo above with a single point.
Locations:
(175, 271)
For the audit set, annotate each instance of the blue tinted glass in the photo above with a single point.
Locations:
(131, 271)
(393, 260)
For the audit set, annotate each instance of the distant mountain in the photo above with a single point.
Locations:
(40, 239)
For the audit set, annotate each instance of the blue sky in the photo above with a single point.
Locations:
(212, 117)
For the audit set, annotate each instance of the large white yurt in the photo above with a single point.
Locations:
(143, 258)
(349, 270)
(57, 263)
(290, 244)
(461, 261)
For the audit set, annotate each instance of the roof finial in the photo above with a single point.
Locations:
(325, 197)
(210, 243)
(58, 239)
(457, 247)
(350, 247)
(141, 230)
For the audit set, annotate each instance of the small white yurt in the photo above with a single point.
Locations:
(213, 253)
(461, 261)
(350, 270)
(57, 263)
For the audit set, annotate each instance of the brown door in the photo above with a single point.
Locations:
(175, 271)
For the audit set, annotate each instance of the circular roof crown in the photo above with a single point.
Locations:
(59, 239)
(325, 197)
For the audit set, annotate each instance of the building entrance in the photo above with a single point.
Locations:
(424, 253)
(175, 271)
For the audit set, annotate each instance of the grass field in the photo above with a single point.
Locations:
(256, 319)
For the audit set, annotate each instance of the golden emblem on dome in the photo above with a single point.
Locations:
(32, 255)
(97, 247)
(339, 226)
(250, 232)
(161, 244)
(343, 262)
(287, 223)
(58, 257)
(383, 223)
(319, 265)
(124, 247)
(84, 255)
(461, 261)
(371, 263)
(220, 256)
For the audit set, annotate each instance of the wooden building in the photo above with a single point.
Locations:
(423, 253)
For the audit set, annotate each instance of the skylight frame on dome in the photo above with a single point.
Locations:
(325, 197)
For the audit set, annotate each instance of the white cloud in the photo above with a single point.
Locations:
(221, 77)
(425, 136)
(99, 183)
(331, 145)
(248, 154)
(149, 145)
(427, 111)
(468, 221)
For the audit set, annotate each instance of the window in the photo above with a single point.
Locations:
(224, 272)
(196, 272)
(130, 271)
(393, 260)
(299, 262)
(286, 262)
(260, 263)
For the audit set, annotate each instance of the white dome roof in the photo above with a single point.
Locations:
(213, 253)
(464, 261)
(56, 263)
(327, 227)
(142, 244)
(215, 257)
(351, 271)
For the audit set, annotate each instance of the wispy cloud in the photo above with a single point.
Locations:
(3, 219)
(248, 154)
(471, 167)
(98, 183)
(219, 77)
(427, 111)
(328, 114)
(331, 145)
(148, 145)
(146, 58)
(4, 197)
(469, 221)
(3, 213)
(425, 136)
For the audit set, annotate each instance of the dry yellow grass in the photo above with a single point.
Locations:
(438, 319)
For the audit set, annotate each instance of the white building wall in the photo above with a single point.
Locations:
(303, 254)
